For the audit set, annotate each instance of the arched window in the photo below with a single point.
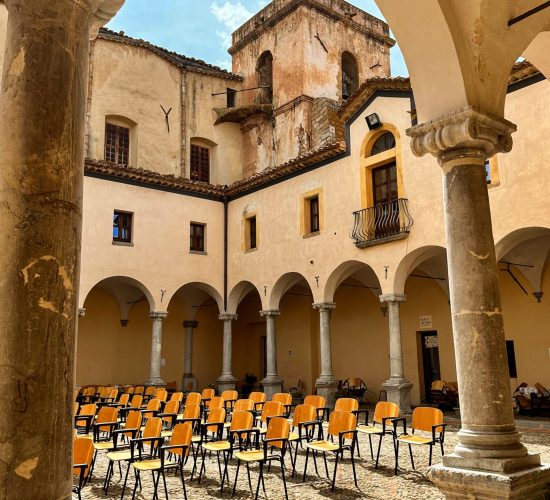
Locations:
(264, 72)
(350, 75)
(383, 143)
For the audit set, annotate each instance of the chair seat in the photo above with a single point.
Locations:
(166, 434)
(322, 446)
(250, 456)
(196, 439)
(118, 456)
(261, 430)
(153, 464)
(293, 436)
(216, 446)
(370, 429)
(104, 445)
(412, 439)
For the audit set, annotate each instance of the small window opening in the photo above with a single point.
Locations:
(252, 232)
(200, 163)
(385, 142)
(231, 97)
(122, 226)
(265, 78)
(350, 75)
(197, 237)
(117, 144)
(314, 225)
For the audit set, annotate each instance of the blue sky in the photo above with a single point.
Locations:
(202, 28)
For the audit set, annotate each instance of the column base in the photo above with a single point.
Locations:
(327, 387)
(272, 385)
(226, 383)
(156, 381)
(464, 484)
(189, 380)
(399, 392)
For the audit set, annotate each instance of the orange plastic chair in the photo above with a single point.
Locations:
(208, 393)
(426, 420)
(230, 397)
(271, 409)
(193, 398)
(170, 414)
(192, 415)
(123, 401)
(178, 448)
(286, 399)
(83, 452)
(152, 408)
(85, 418)
(381, 425)
(276, 437)
(243, 405)
(304, 420)
(342, 426)
(161, 394)
(346, 404)
(177, 396)
(319, 403)
(139, 390)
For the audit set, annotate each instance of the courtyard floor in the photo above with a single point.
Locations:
(374, 483)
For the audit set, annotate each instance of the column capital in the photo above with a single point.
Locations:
(228, 317)
(158, 314)
(393, 297)
(270, 313)
(81, 312)
(324, 306)
(103, 11)
(190, 324)
(467, 131)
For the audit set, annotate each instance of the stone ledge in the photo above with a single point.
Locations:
(381, 241)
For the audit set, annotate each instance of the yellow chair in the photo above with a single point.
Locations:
(259, 400)
(243, 405)
(346, 404)
(177, 396)
(169, 415)
(230, 397)
(178, 449)
(83, 452)
(193, 398)
(85, 418)
(342, 426)
(160, 393)
(426, 420)
(139, 390)
(304, 420)
(152, 408)
(191, 415)
(270, 409)
(276, 438)
(384, 413)
(320, 405)
(285, 398)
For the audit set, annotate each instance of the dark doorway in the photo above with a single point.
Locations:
(263, 356)
(430, 361)
(386, 204)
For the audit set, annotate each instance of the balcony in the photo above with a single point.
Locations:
(382, 223)
(241, 104)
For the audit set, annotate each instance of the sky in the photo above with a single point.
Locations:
(202, 28)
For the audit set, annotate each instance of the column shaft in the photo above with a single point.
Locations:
(42, 105)
(326, 384)
(272, 383)
(156, 348)
(188, 378)
(227, 380)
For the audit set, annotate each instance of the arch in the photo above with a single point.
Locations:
(283, 285)
(123, 289)
(511, 240)
(537, 53)
(264, 75)
(350, 75)
(344, 271)
(238, 293)
(205, 288)
(410, 262)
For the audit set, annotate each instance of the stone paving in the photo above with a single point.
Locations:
(373, 484)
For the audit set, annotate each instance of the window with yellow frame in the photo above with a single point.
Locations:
(311, 220)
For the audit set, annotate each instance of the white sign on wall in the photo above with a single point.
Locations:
(425, 321)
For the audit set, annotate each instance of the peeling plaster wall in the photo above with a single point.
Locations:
(3, 30)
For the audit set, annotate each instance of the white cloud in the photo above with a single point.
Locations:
(224, 64)
(230, 15)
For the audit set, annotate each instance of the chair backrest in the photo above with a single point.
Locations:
(437, 385)
(277, 428)
(346, 404)
(137, 400)
(315, 401)
(153, 428)
(161, 394)
(129, 390)
(272, 409)
(181, 435)
(257, 397)
(124, 399)
(150, 390)
(139, 389)
(241, 420)
(177, 396)
(216, 402)
(192, 411)
(104, 392)
(106, 414)
(112, 393)
(230, 395)
(171, 407)
(133, 420)
(89, 391)
(89, 409)
(303, 413)
(83, 452)
(385, 409)
(153, 405)
(284, 398)
(424, 417)
(208, 393)
(243, 405)
(215, 416)
(193, 398)
(341, 421)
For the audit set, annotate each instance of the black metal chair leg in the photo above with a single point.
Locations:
(326, 466)
(396, 456)
(155, 484)
(259, 480)
(378, 452)
(335, 469)
(430, 458)
(353, 468)
(370, 446)
(164, 482)
(412, 459)
(135, 485)
(236, 477)
(183, 482)
(125, 479)
(305, 466)
(284, 479)
(442, 450)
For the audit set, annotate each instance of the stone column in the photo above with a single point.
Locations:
(188, 377)
(488, 440)
(397, 387)
(156, 348)
(227, 381)
(326, 384)
(42, 105)
(272, 383)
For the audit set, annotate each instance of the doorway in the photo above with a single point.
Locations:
(430, 369)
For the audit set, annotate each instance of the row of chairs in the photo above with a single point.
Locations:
(251, 426)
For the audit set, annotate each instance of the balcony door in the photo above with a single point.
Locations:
(386, 204)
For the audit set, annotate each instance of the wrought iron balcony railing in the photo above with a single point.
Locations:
(384, 222)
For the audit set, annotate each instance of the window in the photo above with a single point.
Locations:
(311, 222)
(117, 144)
(197, 237)
(122, 227)
(384, 143)
(350, 77)
(200, 163)
(314, 215)
(252, 232)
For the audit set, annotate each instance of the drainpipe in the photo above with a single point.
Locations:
(225, 210)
